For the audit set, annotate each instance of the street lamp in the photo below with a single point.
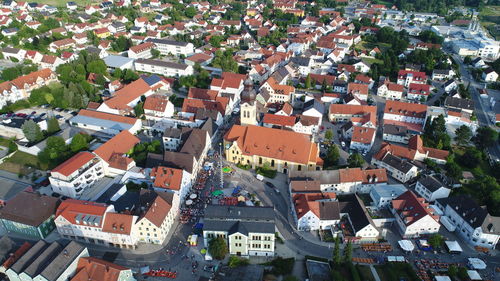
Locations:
(220, 163)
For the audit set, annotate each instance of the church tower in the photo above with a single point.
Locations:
(248, 105)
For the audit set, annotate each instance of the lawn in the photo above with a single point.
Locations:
(365, 272)
(363, 45)
(396, 271)
(22, 163)
(490, 19)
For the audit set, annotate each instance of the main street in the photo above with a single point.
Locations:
(483, 117)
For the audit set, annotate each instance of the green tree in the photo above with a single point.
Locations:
(453, 170)
(348, 252)
(436, 241)
(307, 83)
(471, 158)
(355, 160)
(129, 76)
(336, 251)
(332, 156)
(55, 152)
(328, 134)
(462, 273)
(32, 131)
(463, 134)
(190, 12)
(97, 66)
(486, 137)
(155, 53)
(139, 109)
(79, 142)
(52, 125)
(452, 271)
(217, 247)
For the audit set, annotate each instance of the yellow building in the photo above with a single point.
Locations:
(280, 150)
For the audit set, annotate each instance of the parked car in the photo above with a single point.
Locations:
(271, 185)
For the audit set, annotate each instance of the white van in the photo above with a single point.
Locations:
(260, 177)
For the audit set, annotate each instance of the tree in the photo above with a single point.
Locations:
(79, 142)
(97, 66)
(328, 134)
(332, 156)
(52, 125)
(217, 247)
(452, 271)
(462, 273)
(139, 109)
(155, 53)
(307, 83)
(348, 252)
(453, 170)
(463, 134)
(129, 76)
(336, 250)
(32, 131)
(471, 158)
(436, 241)
(486, 137)
(355, 160)
(190, 12)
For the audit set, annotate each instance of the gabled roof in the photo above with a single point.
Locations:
(156, 102)
(412, 208)
(107, 116)
(93, 269)
(127, 94)
(74, 163)
(168, 178)
(118, 223)
(78, 210)
(406, 109)
(29, 208)
(113, 151)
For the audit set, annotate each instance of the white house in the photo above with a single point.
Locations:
(165, 68)
(489, 75)
(395, 133)
(362, 138)
(472, 222)
(158, 106)
(396, 167)
(431, 189)
(167, 46)
(413, 216)
(141, 51)
(75, 175)
(391, 90)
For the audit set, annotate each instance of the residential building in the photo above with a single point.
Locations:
(75, 175)
(472, 222)
(47, 262)
(396, 167)
(362, 139)
(106, 123)
(114, 153)
(395, 133)
(411, 115)
(127, 97)
(351, 180)
(141, 51)
(158, 106)
(315, 211)
(416, 151)
(170, 69)
(458, 104)
(406, 77)
(382, 195)
(29, 214)
(94, 269)
(414, 217)
(442, 74)
(9, 52)
(172, 180)
(248, 231)
(278, 93)
(489, 75)
(280, 150)
(358, 114)
(391, 91)
(167, 46)
(431, 189)
(418, 92)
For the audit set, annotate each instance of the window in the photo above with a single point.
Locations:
(260, 160)
(299, 168)
(272, 163)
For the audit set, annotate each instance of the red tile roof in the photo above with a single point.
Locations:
(404, 108)
(142, 47)
(280, 120)
(412, 208)
(168, 178)
(274, 143)
(128, 94)
(363, 135)
(107, 116)
(93, 269)
(118, 223)
(156, 102)
(71, 208)
(114, 150)
(74, 163)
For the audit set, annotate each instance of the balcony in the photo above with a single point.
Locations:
(85, 169)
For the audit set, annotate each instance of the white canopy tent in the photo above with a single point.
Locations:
(406, 245)
(474, 275)
(453, 246)
(476, 263)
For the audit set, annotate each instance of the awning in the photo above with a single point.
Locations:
(406, 245)
(453, 246)
(474, 275)
(217, 193)
(476, 263)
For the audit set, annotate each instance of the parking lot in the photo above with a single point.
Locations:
(45, 112)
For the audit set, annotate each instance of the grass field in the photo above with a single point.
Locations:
(22, 163)
(490, 19)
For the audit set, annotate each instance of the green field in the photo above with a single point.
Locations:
(490, 19)
(22, 163)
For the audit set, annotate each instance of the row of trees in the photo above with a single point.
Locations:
(34, 133)
(57, 151)
(12, 73)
